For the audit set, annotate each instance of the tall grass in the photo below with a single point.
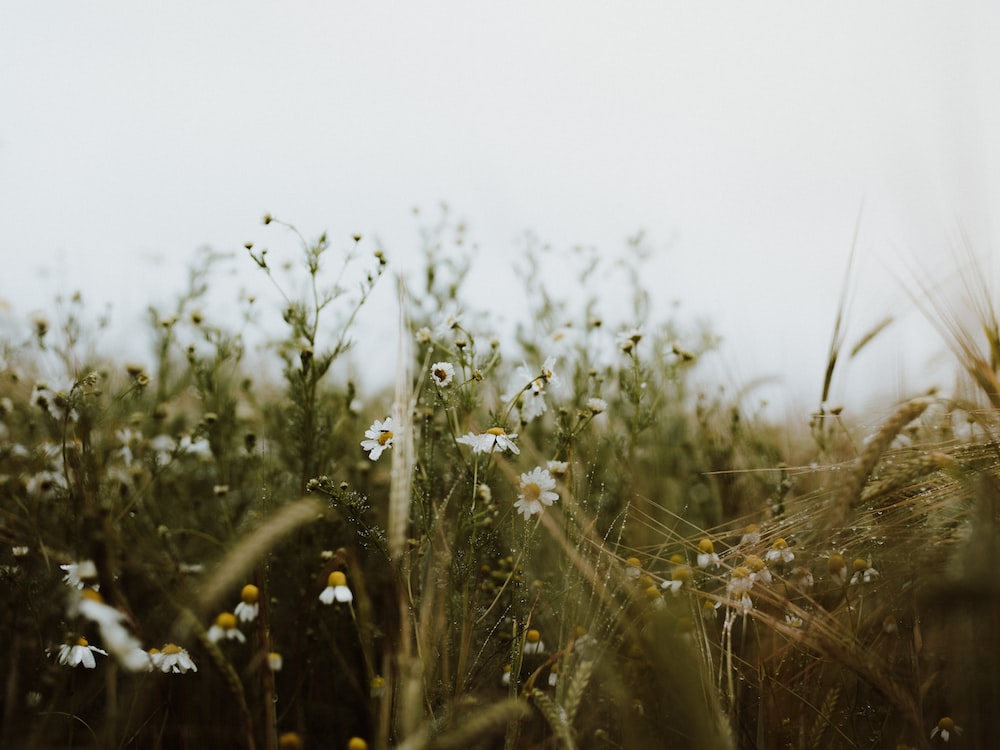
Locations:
(563, 541)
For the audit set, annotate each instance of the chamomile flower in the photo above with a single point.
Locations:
(79, 573)
(863, 572)
(945, 726)
(505, 675)
(275, 661)
(378, 438)
(679, 576)
(751, 535)
(173, 659)
(442, 373)
(494, 438)
(533, 643)
(633, 567)
(79, 653)
(758, 570)
(225, 629)
(837, 567)
(706, 554)
(336, 589)
(596, 406)
(535, 492)
(557, 468)
(628, 339)
(779, 552)
(248, 608)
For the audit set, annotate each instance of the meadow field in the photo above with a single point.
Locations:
(566, 538)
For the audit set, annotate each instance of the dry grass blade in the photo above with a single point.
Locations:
(402, 453)
(578, 684)
(241, 558)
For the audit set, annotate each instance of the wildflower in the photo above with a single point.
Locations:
(45, 485)
(628, 339)
(78, 573)
(680, 575)
(837, 567)
(653, 595)
(173, 659)
(710, 609)
(336, 589)
(20, 551)
(532, 397)
(356, 743)
(553, 675)
(442, 373)
(945, 726)
(706, 554)
(792, 620)
(557, 468)
(505, 676)
(751, 535)
(79, 653)
(248, 608)
(633, 567)
(290, 741)
(758, 570)
(863, 571)
(495, 437)
(379, 437)
(424, 335)
(274, 661)
(779, 551)
(536, 492)
(596, 406)
(225, 627)
(484, 494)
(377, 686)
(533, 643)
(889, 625)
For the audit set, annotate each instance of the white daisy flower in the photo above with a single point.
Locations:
(174, 659)
(533, 643)
(495, 437)
(863, 572)
(378, 437)
(945, 726)
(79, 653)
(779, 552)
(225, 629)
(249, 607)
(442, 373)
(535, 492)
(336, 589)
(79, 572)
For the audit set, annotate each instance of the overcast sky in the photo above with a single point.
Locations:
(744, 139)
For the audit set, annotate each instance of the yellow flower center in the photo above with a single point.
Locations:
(249, 594)
(779, 543)
(705, 546)
(740, 572)
(226, 621)
(440, 374)
(93, 595)
(384, 437)
(82, 642)
(171, 648)
(676, 558)
(946, 723)
(496, 431)
(860, 565)
(533, 636)
(337, 578)
(634, 562)
(836, 563)
(532, 492)
(754, 563)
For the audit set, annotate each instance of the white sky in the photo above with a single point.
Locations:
(743, 137)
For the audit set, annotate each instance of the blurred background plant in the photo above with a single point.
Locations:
(569, 537)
